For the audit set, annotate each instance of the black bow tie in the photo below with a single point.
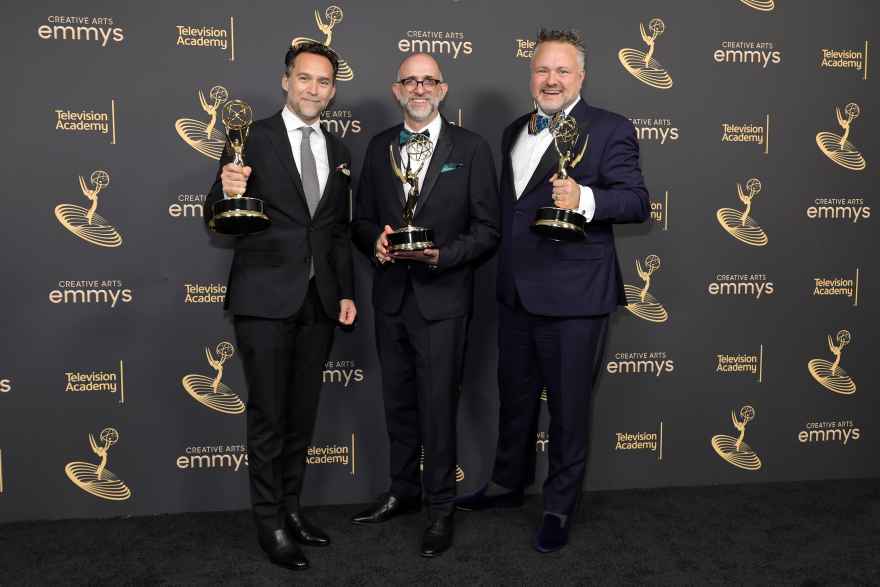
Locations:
(405, 135)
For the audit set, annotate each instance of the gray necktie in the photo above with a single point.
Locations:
(309, 176)
(309, 171)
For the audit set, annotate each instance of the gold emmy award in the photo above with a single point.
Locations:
(639, 301)
(411, 238)
(837, 147)
(88, 224)
(559, 223)
(213, 393)
(734, 450)
(98, 479)
(739, 224)
(205, 138)
(643, 66)
(238, 214)
(831, 375)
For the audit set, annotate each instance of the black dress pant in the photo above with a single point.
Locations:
(421, 372)
(565, 354)
(283, 364)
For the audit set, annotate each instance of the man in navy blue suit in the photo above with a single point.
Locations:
(555, 297)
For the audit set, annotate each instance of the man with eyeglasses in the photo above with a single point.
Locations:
(422, 299)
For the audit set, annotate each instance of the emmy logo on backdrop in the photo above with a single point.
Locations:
(762, 5)
(205, 138)
(734, 450)
(639, 301)
(213, 392)
(837, 147)
(87, 224)
(740, 225)
(334, 16)
(642, 65)
(98, 479)
(831, 375)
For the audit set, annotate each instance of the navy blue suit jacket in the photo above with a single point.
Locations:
(568, 279)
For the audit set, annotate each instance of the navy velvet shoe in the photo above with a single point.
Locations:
(479, 500)
(553, 533)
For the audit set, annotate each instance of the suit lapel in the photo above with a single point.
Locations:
(281, 144)
(438, 158)
(582, 113)
(395, 152)
(548, 163)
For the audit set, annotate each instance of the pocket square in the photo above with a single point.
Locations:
(450, 167)
(343, 167)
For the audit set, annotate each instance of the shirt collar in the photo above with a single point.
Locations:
(433, 128)
(293, 122)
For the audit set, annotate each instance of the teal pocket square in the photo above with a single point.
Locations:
(450, 167)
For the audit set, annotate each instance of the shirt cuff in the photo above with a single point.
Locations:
(587, 204)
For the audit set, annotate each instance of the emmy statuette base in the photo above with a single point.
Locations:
(560, 224)
(237, 216)
(411, 238)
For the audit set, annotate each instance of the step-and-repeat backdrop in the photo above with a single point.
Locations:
(745, 353)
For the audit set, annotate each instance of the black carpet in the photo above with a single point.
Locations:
(812, 533)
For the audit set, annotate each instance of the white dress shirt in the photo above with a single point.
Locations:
(317, 142)
(433, 128)
(526, 155)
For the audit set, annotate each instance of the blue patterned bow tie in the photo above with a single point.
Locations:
(538, 123)
(405, 135)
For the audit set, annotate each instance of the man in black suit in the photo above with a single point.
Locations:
(555, 297)
(423, 299)
(288, 287)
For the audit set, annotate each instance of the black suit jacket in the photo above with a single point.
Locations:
(269, 277)
(568, 279)
(458, 200)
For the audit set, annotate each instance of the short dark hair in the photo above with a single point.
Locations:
(314, 48)
(568, 36)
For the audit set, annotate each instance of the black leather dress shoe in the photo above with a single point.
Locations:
(480, 501)
(553, 533)
(282, 550)
(386, 508)
(438, 537)
(304, 532)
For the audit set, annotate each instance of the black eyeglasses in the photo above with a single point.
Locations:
(411, 83)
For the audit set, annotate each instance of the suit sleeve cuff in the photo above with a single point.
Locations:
(587, 205)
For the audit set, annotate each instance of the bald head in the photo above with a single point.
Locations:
(419, 89)
(420, 66)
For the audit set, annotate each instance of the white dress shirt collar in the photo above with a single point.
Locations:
(293, 122)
